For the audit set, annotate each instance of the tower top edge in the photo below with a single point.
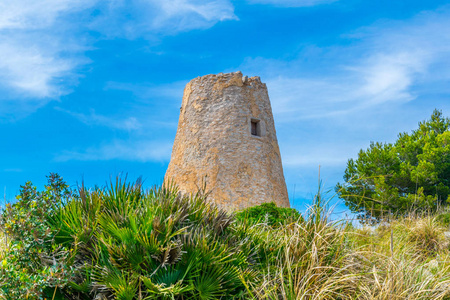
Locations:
(227, 77)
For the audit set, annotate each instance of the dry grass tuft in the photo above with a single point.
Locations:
(3, 244)
(407, 258)
(428, 235)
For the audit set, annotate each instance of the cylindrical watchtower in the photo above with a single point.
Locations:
(226, 136)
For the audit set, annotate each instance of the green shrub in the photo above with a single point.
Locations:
(269, 214)
(33, 264)
(444, 219)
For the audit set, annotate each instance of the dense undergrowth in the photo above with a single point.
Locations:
(121, 242)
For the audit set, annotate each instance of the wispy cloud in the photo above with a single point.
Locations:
(39, 53)
(43, 43)
(173, 90)
(136, 18)
(29, 14)
(13, 170)
(130, 123)
(292, 3)
(385, 64)
(38, 61)
(182, 15)
(142, 151)
(319, 154)
(36, 70)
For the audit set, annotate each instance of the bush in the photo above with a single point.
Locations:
(444, 219)
(33, 264)
(269, 214)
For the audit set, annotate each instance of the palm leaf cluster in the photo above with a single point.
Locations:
(126, 243)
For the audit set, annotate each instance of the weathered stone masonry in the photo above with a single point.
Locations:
(226, 134)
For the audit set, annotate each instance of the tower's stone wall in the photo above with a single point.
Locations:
(214, 141)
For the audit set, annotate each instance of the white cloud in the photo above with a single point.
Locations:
(173, 90)
(183, 15)
(292, 3)
(142, 151)
(30, 14)
(318, 154)
(13, 170)
(42, 43)
(385, 65)
(148, 18)
(387, 77)
(36, 70)
(39, 54)
(130, 123)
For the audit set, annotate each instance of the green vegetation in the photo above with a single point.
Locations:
(31, 262)
(269, 214)
(411, 175)
(122, 242)
(444, 218)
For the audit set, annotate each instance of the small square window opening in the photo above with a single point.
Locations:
(255, 127)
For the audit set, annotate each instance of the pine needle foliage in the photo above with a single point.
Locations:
(410, 175)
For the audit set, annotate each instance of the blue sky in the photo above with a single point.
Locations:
(92, 88)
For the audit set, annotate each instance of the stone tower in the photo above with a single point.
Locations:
(226, 137)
